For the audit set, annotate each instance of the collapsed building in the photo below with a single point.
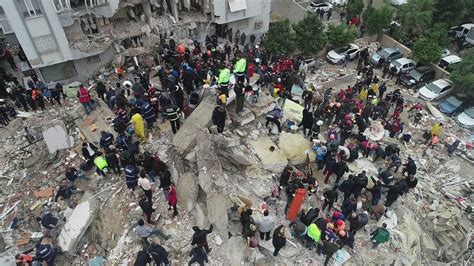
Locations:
(68, 40)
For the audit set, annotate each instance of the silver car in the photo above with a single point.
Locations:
(389, 54)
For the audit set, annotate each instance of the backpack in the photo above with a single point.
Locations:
(382, 236)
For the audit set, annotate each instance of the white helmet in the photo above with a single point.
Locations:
(319, 123)
(127, 84)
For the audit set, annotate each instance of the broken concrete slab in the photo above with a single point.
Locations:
(243, 118)
(95, 123)
(271, 160)
(187, 190)
(209, 166)
(201, 215)
(363, 164)
(77, 224)
(292, 111)
(264, 105)
(201, 117)
(236, 250)
(217, 205)
(44, 193)
(226, 142)
(56, 137)
(237, 157)
(295, 146)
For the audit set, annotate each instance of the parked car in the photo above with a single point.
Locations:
(325, 7)
(445, 53)
(450, 105)
(403, 65)
(389, 54)
(436, 89)
(337, 56)
(339, 2)
(460, 30)
(447, 62)
(398, 2)
(417, 77)
(466, 118)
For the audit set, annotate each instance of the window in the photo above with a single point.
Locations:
(4, 24)
(93, 59)
(45, 44)
(240, 24)
(60, 71)
(237, 5)
(62, 5)
(29, 8)
(92, 3)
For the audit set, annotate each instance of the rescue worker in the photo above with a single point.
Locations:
(224, 79)
(106, 139)
(100, 164)
(240, 69)
(148, 113)
(172, 113)
(138, 126)
(131, 176)
(85, 99)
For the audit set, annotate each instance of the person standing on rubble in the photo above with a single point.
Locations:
(147, 208)
(148, 112)
(198, 255)
(159, 254)
(85, 99)
(219, 115)
(89, 151)
(380, 236)
(106, 139)
(330, 196)
(437, 129)
(131, 176)
(145, 184)
(172, 113)
(279, 239)
(138, 125)
(200, 237)
(265, 225)
(172, 199)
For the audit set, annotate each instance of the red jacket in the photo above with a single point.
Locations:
(83, 95)
(172, 198)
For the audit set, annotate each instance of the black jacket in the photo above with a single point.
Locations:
(142, 259)
(277, 240)
(158, 253)
(330, 195)
(111, 158)
(219, 116)
(86, 154)
(200, 235)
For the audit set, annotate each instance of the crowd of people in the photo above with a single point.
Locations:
(185, 71)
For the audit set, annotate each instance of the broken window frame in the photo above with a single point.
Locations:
(29, 8)
(61, 5)
(94, 3)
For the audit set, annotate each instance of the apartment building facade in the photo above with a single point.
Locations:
(72, 39)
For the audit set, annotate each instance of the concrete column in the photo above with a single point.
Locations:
(174, 9)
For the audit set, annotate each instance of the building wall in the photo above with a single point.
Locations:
(85, 67)
(258, 11)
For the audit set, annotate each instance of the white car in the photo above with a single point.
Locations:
(398, 2)
(466, 118)
(447, 61)
(337, 56)
(325, 7)
(436, 89)
(403, 65)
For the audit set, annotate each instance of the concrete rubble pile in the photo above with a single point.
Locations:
(215, 174)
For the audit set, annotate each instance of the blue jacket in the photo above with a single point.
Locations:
(106, 139)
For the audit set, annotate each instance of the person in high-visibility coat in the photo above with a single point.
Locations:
(100, 165)
(240, 69)
(138, 126)
(223, 80)
(313, 235)
(436, 129)
(363, 94)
